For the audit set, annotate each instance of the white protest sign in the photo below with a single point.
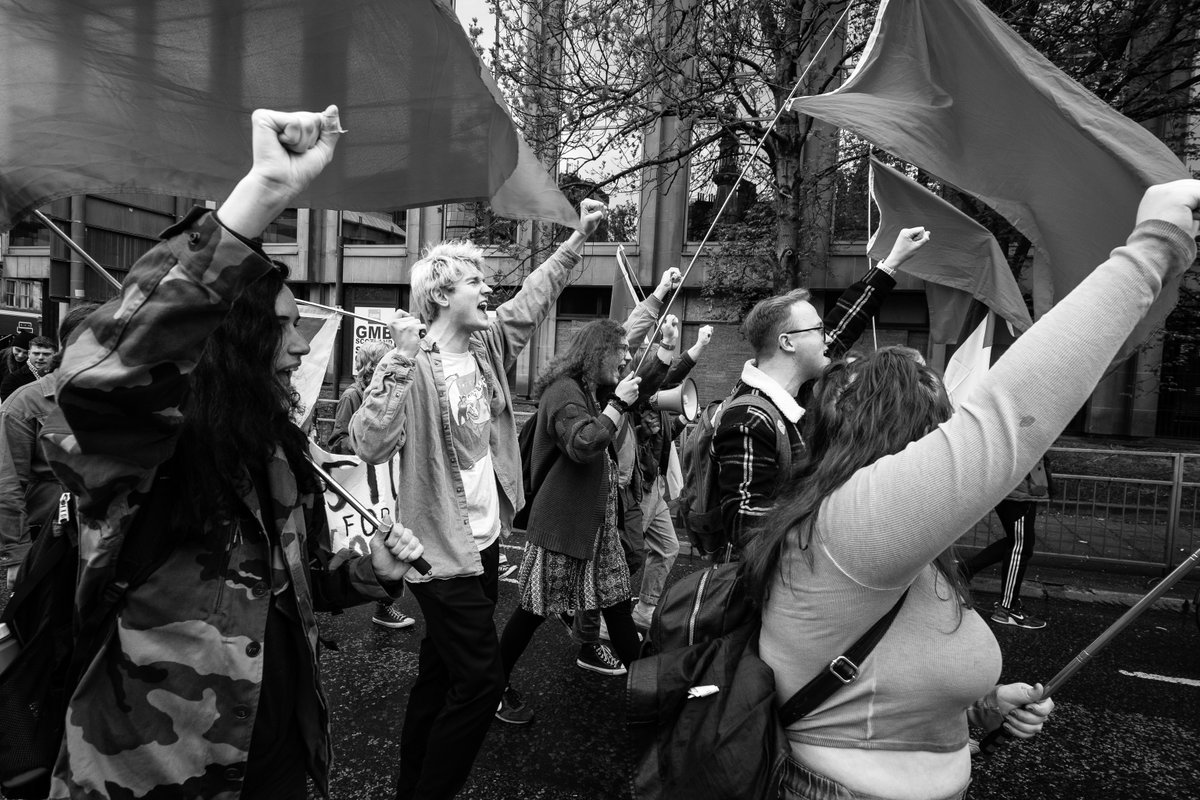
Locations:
(373, 485)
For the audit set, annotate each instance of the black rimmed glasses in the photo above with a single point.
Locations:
(820, 328)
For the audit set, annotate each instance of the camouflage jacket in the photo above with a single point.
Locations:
(168, 706)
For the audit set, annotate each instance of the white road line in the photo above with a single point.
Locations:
(1164, 678)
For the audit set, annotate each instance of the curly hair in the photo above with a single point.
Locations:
(860, 411)
(585, 357)
(366, 358)
(222, 438)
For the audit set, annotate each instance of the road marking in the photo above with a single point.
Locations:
(1164, 678)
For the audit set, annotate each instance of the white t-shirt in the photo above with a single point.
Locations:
(470, 425)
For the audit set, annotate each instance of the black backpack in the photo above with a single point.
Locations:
(529, 482)
(702, 712)
(700, 499)
(55, 648)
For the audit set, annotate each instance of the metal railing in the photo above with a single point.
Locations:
(1113, 509)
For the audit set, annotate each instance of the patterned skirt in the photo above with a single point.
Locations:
(552, 583)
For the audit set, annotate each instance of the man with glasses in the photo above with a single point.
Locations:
(792, 345)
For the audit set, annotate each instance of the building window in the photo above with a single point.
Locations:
(22, 294)
(282, 230)
(476, 223)
(373, 227)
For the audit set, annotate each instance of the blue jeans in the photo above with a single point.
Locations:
(800, 783)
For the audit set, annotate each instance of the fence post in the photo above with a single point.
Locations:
(1173, 507)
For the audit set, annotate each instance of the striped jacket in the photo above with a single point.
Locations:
(744, 443)
(168, 705)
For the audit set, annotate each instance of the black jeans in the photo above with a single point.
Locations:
(459, 683)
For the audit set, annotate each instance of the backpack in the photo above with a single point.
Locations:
(529, 482)
(55, 648)
(702, 712)
(1036, 486)
(700, 499)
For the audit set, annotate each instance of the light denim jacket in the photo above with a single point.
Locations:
(405, 409)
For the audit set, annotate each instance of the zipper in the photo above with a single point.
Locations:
(696, 606)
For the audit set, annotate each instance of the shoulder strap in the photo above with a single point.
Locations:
(783, 443)
(841, 671)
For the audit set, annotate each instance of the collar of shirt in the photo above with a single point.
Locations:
(755, 378)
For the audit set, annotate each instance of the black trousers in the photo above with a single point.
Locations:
(459, 683)
(1015, 549)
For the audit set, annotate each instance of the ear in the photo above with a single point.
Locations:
(785, 343)
(441, 297)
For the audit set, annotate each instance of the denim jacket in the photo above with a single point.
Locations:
(405, 409)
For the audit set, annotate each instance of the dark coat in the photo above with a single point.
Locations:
(572, 444)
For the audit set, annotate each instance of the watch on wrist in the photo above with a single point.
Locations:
(668, 347)
(620, 405)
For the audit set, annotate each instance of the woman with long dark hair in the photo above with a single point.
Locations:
(573, 559)
(889, 482)
(177, 441)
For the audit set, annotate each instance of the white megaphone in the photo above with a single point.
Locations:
(682, 400)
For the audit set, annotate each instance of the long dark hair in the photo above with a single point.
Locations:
(237, 411)
(860, 411)
(585, 356)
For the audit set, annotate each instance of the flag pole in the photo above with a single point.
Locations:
(79, 251)
(339, 311)
(996, 738)
(749, 162)
(419, 564)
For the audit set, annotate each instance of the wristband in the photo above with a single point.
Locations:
(620, 405)
(670, 348)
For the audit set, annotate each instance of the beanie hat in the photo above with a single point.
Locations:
(22, 339)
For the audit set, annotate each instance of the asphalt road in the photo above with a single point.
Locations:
(1115, 733)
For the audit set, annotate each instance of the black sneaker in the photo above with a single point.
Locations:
(506, 569)
(513, 709)
(598, 658)
(1017, 616)
(387, 615)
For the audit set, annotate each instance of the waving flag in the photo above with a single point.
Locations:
(961, 260)
(320, 328)
(156, 97)
(949, 87)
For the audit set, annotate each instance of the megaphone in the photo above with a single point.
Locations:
(682, 400)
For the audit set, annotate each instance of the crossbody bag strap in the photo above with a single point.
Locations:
(842, 670)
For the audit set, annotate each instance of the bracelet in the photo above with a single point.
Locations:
(620, 405)
(670, 348)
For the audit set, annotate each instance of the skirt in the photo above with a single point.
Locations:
(552, 583)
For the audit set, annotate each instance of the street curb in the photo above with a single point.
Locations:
(1080, 594)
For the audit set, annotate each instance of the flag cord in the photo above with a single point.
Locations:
(749, 162)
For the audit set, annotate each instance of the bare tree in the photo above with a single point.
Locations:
(631, 92)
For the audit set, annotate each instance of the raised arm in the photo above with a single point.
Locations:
(893, 517)
(860, 302)
(124, 377)
(517, 319)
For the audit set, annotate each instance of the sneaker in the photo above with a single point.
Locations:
(387, 615)
(598, 658)
(513, 709)
(1017, 616)
(506, 569)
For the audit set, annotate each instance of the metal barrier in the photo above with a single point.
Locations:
(1113, 509)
